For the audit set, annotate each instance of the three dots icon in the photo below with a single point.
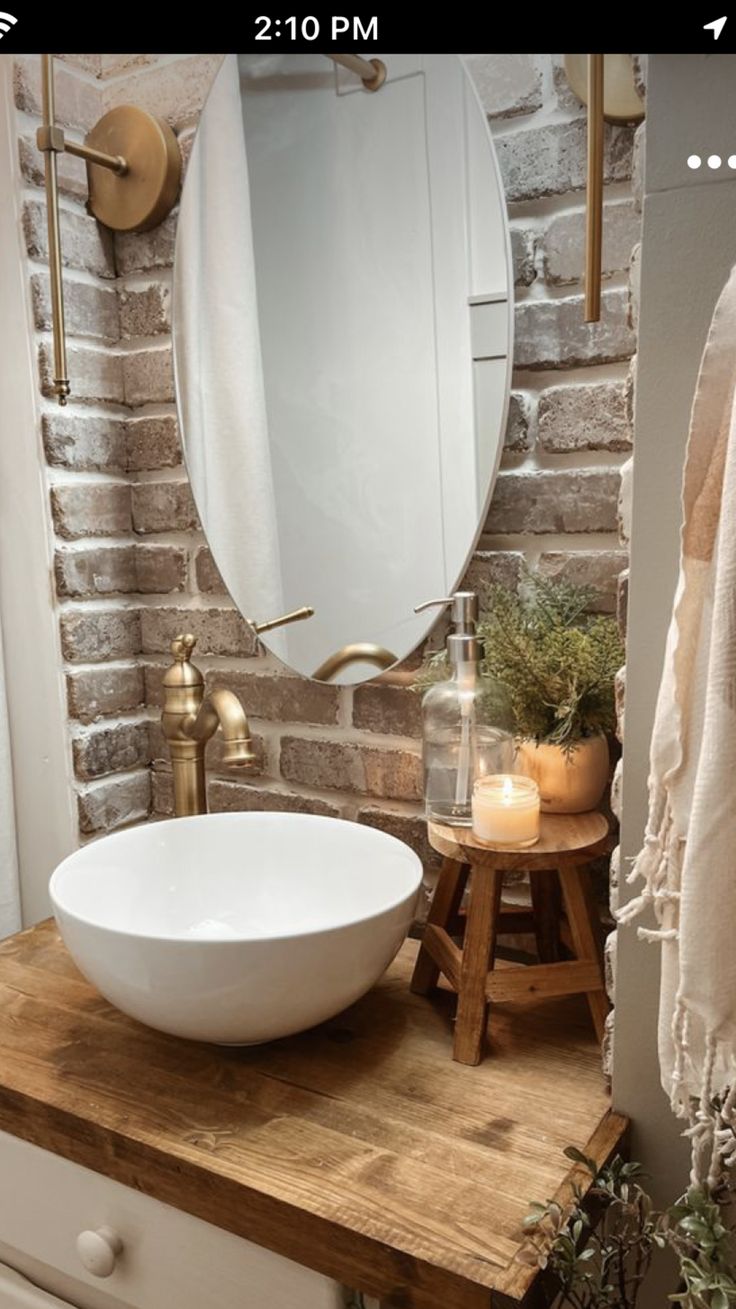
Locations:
(712, 161)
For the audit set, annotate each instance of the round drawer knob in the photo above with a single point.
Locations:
(99, 1250)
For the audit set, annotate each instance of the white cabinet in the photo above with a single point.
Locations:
(99, 1245)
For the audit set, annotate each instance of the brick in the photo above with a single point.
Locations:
(392, 710)
(409, 828)
(145, 311)
(77, 101)
(138, 252)
(638, 164)
(641, 70)
(564, 242)
(113, 689)
(148, 375)
(71, 172)
(89, 310)
(564, 94)
(85, 243)
(619, 687)
(218, 631)
(616, 789)
(614, 878)
(551, 159)
(635, 287)
(115, 65)
(162, 793)
(153, 442)
(238, 797)
(280, 698)
(114, 804)
(93, 374)
(518, 438)
(579, 500)
(625, 502)
(160, 569)
(630, 393)
(91, 509)
(99, 570)
(90, 637)
(345, 766)
(584, 416)
(175, 91)
(609, 960)
(490, 567)
(523, 246)
(622, 602)
(597, 568)
(103, 750)
(553, 333)
(84, 444)
(90, 63)
(508, 86)
(607, 1048)
(207, 573)
(162, 507)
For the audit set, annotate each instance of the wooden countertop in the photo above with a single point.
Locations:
(358, 1149)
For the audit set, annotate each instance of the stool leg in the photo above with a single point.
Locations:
(445, 904)
(545, 893)
(582, 916)
(478, 950)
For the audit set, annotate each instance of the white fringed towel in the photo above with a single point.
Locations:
(688, 861)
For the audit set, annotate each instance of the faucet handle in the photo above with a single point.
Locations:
(182, 646)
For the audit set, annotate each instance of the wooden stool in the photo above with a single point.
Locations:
(556, 863)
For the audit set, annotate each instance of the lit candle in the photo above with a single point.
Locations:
(506, 810)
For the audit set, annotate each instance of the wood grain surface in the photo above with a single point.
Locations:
(577, 837)
(358, 1149)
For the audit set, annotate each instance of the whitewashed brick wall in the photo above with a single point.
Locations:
(132, 567)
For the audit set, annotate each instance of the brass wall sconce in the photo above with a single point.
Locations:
(133, 174)
(605, 83)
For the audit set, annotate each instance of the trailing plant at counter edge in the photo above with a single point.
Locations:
(554, 661)
(598, 1259)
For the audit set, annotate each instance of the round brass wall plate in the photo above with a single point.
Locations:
(141, 197)
(621, 100)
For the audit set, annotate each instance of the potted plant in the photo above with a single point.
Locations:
(557, 663)
(597, 1255)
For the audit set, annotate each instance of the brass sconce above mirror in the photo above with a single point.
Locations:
(133, 173)
(605, 83)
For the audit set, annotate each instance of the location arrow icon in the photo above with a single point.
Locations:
(716, 27)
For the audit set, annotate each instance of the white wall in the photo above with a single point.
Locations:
(689, 246)
(44, 798)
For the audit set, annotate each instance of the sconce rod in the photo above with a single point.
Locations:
(594, 198)
(61, 380)
(372, 72)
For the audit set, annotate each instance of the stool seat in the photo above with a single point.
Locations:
(557, 875)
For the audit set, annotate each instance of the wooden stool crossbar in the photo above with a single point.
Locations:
(558, 877)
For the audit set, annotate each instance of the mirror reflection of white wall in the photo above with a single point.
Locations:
(373, 231)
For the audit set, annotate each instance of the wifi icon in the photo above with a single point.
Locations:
(6, 22)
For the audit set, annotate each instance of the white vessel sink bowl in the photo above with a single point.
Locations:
(236, 928)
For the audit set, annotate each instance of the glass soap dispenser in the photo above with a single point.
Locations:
(466, 721)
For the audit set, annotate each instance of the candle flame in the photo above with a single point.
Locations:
(508, 790)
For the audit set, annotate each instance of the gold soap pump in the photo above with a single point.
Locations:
(466, 721)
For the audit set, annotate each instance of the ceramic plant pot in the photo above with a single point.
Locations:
(571, 783)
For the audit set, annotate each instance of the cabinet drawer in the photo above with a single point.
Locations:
(167, 1257)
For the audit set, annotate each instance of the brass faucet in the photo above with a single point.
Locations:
(189, 720)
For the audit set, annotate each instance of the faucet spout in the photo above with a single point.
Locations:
(190, 719)
(223, 709)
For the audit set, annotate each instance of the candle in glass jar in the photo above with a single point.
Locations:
(506, 810)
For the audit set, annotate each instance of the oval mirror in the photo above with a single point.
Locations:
(342, 342)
